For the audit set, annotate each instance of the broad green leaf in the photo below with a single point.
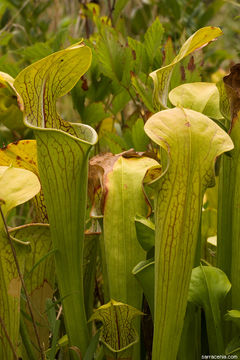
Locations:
(162, 76)
(16, 187)
(23, 154)
(63, 149)
(191, 142)
(10, 289)
(144, 272)
(145, 232)
(40, 285)
(208, 288)
(198, 96)
(117, 333)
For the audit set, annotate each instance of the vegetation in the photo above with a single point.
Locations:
(119, 171)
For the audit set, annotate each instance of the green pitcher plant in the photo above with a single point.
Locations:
(62, 150)
(191, 142)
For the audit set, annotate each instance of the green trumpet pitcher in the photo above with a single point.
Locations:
(62, 150)
(192, 142)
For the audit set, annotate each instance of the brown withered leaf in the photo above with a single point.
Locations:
(232, 86)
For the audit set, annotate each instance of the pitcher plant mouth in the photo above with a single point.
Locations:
(40, 85)
(84, 133)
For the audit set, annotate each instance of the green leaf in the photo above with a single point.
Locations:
(191, 342)
(115, 143)
(233, 347)
(117, 333)
(161, 77)
(115, 58)
(198, 96)
(92, 346)
(35, 52)
(153, 40)
(5, 37)
(145, 232)
(144, 272)
(208, 288)
(94, 113)
(140, 139)
(120, 101)
(51, 313)
(8, 65)
(118, 7)
(55, 335)
(191, 142)
(139, 55)
(187, 71)
(143, 92)
(91, 244)
(63, 149)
